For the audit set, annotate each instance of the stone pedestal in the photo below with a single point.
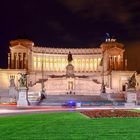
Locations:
(131, 98)
(23, 98)
(70, 70)
(13, 94)
(103, 95)
(130, 105)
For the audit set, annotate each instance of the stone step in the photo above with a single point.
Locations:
(94, 103)
(76, 97)
(50, 104)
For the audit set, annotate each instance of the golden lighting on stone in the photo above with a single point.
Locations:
(59, 64)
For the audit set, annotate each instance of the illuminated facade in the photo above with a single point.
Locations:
(49, 64)
(32, 58)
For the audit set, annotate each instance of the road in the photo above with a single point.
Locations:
(7, 110)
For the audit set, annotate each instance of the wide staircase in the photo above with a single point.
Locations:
(62, 100)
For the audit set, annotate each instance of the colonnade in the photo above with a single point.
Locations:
(59, 64)
(17, 60)
(115, 62)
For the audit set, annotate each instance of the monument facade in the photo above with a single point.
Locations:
(61, 70)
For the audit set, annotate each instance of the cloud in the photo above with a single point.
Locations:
(99, 8)
(116, 16)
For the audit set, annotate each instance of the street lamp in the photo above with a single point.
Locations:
(103, 89)
(42, 81)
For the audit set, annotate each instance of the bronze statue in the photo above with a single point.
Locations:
(22, 80)
(70, 57)
(132, 81)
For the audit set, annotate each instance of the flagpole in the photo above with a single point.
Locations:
(103, 90)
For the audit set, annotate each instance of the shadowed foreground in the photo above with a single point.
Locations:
(68, 126)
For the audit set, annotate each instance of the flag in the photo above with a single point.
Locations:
(107, 35)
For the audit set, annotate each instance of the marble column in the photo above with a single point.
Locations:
(25, 61)
(119, 63)
(122, 63)
(125, 65)
(83, 65)
(97, 64)
(114, 62)
(36, 63)
(110, 63)
(16, 60)
(48, 64)
(12, 60)
(19, 55)
(57, 64)
(44, 63)
(93, 65)
(9, 61)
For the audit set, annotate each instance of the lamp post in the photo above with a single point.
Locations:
(103, 89)
(42, 81)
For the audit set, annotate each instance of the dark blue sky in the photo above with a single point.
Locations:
(68, 23)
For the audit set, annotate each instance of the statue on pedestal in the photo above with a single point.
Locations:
(70, 57)
(131, 97)
(22, 91)
(69, 67)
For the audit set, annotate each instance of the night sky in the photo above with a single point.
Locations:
(71, 23)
